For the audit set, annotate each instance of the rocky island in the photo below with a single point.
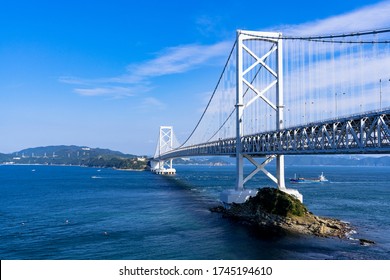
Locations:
(272, 211)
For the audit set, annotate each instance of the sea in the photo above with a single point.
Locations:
(79, 213)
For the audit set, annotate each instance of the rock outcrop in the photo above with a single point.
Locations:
(273, 211)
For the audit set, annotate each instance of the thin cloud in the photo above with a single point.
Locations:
(154, 103)
(367, 18)
(174, 60)
(355, 74)
(111, 91)
(210, 25)
(85, 82)
(72, 80)
(177, 60)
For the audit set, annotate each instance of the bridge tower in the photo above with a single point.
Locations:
(276, 52)
(165, 144)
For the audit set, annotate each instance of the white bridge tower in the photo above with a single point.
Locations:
(275, 53)
(165, 144)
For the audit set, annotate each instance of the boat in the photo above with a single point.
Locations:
(299, 180)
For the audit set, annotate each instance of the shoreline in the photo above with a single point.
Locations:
(70, 165)
(127, 169)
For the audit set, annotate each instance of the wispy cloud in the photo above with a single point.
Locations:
(151, 102)
(137, 78)
(209, 26)
(176, 60)
(106, 91)
(356, 69)
(366, 18)
(73, 80)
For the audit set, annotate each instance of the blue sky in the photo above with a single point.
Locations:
(108, 73)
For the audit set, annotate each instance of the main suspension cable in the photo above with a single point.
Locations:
(212, 96)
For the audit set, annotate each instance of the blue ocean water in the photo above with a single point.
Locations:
(58, 212)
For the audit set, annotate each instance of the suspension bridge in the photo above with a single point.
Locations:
(291, 95)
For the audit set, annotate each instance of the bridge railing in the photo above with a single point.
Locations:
(342, 118)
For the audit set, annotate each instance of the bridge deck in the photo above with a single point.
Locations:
(367, 133)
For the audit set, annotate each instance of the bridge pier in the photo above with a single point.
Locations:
(162, 167)
(280, 172)
(240, 194)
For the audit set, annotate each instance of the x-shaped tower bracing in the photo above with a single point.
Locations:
(260, 60)
(165, 144)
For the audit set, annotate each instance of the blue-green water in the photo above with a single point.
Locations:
(54, 212)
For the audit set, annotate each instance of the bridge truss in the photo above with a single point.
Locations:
(361, 134)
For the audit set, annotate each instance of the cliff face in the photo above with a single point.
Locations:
(274, 211)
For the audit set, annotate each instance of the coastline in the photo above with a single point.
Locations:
(70, 165)
(127, 169)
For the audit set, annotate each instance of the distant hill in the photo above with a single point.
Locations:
(69, 151)
(75, 155)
